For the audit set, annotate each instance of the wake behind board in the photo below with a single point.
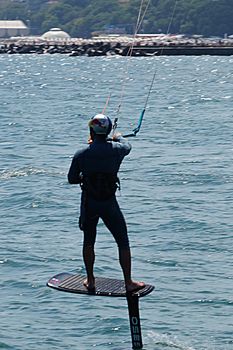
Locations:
(73, 283)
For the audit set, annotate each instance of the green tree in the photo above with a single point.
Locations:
(82, 17)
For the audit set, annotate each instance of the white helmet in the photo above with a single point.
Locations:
(100, 124)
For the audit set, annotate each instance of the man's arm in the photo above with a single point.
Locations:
(74, 172)
(125, 145)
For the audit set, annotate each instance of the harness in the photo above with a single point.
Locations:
(100, 186)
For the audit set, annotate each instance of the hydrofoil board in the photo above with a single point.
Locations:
(73, 283)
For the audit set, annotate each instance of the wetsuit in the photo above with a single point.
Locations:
(100, 161)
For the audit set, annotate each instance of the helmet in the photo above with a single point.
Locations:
(100, 124)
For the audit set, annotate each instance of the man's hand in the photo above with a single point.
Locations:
(116, 136)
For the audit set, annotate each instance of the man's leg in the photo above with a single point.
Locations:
(89, 230)
(125, 262)
(115, 222)
(89, 260)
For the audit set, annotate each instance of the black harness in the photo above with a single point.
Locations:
(100, 186)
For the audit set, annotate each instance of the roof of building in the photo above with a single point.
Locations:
(15, 24)
(55, 33)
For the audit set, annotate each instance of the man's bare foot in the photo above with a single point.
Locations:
(133, 286)
(90, 285)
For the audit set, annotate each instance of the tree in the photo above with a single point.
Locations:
(82, 17)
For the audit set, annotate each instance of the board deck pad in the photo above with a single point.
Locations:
(73, 283)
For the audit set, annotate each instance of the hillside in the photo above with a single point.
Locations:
(82, 17)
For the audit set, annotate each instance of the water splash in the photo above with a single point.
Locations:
(26, 171)
(167, 341)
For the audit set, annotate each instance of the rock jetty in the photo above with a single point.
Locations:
(118, 46)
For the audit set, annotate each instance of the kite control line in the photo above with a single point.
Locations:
(137, 129)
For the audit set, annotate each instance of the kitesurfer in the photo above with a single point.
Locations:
(95, 168)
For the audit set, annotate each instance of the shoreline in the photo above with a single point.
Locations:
(93, 48)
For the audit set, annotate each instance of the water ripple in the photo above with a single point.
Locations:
(176, 196)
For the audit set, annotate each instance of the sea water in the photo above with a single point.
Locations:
(176, 195)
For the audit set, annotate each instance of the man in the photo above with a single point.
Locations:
(95, 169)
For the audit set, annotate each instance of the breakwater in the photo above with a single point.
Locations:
(101, 48)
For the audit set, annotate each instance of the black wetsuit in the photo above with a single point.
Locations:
(100, 161)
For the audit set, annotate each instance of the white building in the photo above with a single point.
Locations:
(55, 34)
(13, 28)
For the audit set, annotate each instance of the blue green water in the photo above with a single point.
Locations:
(176, 196)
